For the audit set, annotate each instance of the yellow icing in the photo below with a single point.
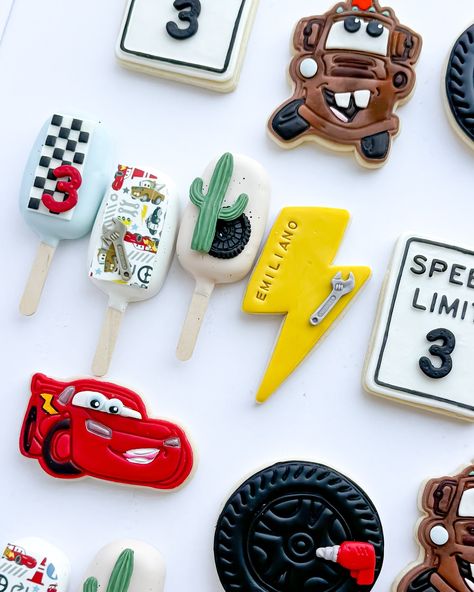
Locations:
(293, 277)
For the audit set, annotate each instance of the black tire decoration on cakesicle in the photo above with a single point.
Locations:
(231, 238)
(460, 82)
(267, 535)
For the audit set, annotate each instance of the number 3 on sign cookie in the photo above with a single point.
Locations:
(190, 11)
(69, 188)
(443, 352)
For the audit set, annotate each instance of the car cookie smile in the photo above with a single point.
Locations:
(466, 570)
(345, 106)
(142, 456)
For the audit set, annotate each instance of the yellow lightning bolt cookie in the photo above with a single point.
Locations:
(295, 277)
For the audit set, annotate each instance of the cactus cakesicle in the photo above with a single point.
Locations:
(131, 246)
(221, 232)
(126, 566)
(63, 185)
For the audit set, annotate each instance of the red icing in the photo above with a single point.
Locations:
(359, 558)
(57, 432)
(69, 188)
(362, 4)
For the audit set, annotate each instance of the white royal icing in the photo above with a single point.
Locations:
(339, 38)
(439, 535)
(466, 507)
(309, 68)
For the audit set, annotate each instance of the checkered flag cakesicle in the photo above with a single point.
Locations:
(62, 188)
(131, 247)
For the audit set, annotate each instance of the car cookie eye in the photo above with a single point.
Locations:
(114, 407)
(375, 29)
(90, 400)
(352, 24)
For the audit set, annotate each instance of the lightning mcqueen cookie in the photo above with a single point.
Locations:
(352, 67)
(88, 428)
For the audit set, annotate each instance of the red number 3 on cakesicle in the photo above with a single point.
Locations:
(69, 188)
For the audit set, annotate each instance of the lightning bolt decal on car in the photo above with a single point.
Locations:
(48, 406)
(295, 277)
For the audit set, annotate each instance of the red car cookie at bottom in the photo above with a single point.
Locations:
(90, 428)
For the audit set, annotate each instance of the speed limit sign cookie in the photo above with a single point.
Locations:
(423, 341)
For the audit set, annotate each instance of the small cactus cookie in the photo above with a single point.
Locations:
(221, 232)
(126, 566)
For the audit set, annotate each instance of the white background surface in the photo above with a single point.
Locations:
(58, 55)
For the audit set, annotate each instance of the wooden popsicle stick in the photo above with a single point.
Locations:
(107, 341)
(39, 272)
(192, 324)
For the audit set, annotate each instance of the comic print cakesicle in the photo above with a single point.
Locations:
(131, 247)
(352, 67)
(220, 233)
(63, 185)
(33, 565)
(88, 428)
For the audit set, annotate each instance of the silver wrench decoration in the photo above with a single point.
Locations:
(114, 234)
(340, 288)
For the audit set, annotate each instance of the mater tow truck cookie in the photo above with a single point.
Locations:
(126, 566)
(422, 342)
(352, 67)
(33, 565)
(445, 535)
(296, 277)
(220, 233)
(459, 86)
(298, 526)
(63, 185)
(131, 247)
(88, 428)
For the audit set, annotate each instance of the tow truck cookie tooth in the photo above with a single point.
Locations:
(33, 564)
(459, 86)
(298, 526)
(422, 341)
(126, 566)
(221, 232)
(199, 42)
(88, 428)
(131, 247)
(352, 67)
(63, 185)
(296, 277)
(445, 537)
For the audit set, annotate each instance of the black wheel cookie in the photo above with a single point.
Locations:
(460, 82)
(231, 238)
(267, 535)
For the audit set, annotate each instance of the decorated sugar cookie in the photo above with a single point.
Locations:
(220, 233)
(88, 428)
(445, 537)
(126, 566)
(131, 247)
(460, 86)
(32, 564)
(296, 277)
(422, 342)
(63, 185)
(298, 526)
(352, 67)
(200, 42)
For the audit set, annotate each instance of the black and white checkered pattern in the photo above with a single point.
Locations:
(67, 143)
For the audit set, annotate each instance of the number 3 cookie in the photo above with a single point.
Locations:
(352, 67)
(201, 42)
(421, 350)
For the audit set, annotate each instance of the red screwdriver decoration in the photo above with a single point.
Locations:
(359, 558)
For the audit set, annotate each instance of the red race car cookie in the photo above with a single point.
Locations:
(89, 428)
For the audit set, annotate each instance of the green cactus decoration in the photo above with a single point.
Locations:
(210, 205)
(120, 577)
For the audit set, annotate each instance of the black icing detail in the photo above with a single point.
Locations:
(57, 120)
(29, 429)
(180, 62)
(443, 352)
(60, 468)
(288, 123)
(50, 141)
(460, 82)
(76, 125)
(189, 13)
(352, 24)
(422, 583)
(231, 238)
(267, 535)
(375, 29)
(376, 147)
(78, 158)
(349, 112)
(400, 80)
(64, 133)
